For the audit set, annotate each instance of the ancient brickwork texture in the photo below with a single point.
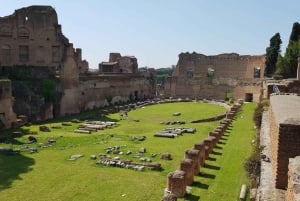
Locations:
(293, 190)
(284, 135)
(202, 76)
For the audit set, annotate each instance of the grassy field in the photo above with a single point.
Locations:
(49, 175)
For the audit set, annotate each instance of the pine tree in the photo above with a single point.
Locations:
(272, 53)
(294, 37)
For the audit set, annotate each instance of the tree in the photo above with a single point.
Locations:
(294, 37)
(272, 53)
(287, 65)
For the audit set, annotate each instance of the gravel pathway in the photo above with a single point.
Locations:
(266, 189)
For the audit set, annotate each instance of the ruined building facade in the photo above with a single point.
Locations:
(217, 77)
(48, 76)
(119, 64)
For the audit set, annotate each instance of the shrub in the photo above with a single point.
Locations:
(253, 163)
(257, 117)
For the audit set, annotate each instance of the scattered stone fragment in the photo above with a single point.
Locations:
(142, 150)
(75, 156)
(166, 156)
(44, 128)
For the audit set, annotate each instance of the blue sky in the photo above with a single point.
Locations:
(156, 31)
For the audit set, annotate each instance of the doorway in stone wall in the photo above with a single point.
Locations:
(136, 95)
(249, 97)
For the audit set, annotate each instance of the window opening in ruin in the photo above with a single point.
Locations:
(23, 33)
(257, 72)
(26, 18)
(55, 53)
(190, 73)
(228, 95)
(6, 54)
(249, 97)
(136, 95)
(23, 53)
(210, 72)
(40, 54)
(5, 31)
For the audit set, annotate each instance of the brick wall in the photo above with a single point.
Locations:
(293, 190)
(285, 144)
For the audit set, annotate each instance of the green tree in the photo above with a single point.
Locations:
(287, 65)
(294, 37)
(272, 53)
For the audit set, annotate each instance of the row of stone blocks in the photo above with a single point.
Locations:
(194, 159)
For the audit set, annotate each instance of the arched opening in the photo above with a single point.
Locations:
(23, 32)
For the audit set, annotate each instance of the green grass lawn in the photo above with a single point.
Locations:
(48, 175)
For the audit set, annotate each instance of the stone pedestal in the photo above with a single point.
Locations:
(194, 154)
(201, 147)
(176, 183)
(187, 165)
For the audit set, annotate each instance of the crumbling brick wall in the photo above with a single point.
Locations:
(201, 76)
(293, 190)
(284, 135)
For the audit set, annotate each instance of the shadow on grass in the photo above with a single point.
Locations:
(11, 166)
(200, 185)
(220, 142)
(218, 147)
(211, 159)
(216, 153)
(207, 175)
(212, 167)
(191, 197)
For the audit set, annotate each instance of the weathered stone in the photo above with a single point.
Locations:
(169, 197)
(194, 155)
(201, 147)
(176, 183)
(32, 139)
(44, 128)
(166, 156)
(142, 150)
(187, 165)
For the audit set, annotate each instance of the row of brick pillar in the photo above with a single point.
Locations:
(195, 158)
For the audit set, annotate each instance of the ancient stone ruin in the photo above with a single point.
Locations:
(33, 49)
(216, 77)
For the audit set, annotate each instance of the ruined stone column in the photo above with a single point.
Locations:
(176, 183)
(209, 143)
(201, 147)
(187, 165)
(195, 156)
(214, 141)
(215, 134)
